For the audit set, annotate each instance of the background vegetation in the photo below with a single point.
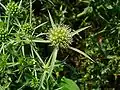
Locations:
(28, 61)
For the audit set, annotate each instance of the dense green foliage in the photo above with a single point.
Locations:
(59, 44)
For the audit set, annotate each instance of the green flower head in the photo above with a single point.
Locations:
(26, 27)
(3, 35)
(12, 8)
(60, 36)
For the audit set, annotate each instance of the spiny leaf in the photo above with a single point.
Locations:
(38, 27)
(51, 20)
(79, 30)
(41, 41)
(81, 52)
(38, 56)
(3, 6)
(20, 3)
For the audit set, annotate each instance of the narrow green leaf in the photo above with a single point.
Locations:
(23, 51)
(80, 14)
(24, 84)
(12, 64)
(8, 22)
(81, 52)
(48, 62)
(18, 23)
(3, 6)
(51, 20)
(42, 81)
(2, 47)
(30, 11)
(20, 3)
(38, 56)
(41, 34)
(87, 9)
(79, 30)
(55, 51)
(102, 17)
(19, 77)
(41, 41)
(32, 53)
(38, 27)
(26, 19)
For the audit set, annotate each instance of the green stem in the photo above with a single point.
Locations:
(42, 81)
(8, 22)
(55, 51)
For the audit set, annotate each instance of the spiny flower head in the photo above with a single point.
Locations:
(3, 34)
(60, 36)
(12, 8)
(26, 27)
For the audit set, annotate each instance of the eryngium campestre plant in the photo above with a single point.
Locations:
(12, 8)
(60, 36)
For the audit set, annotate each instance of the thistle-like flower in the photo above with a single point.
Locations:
(3, 34)
(60, 36)
(12, 8)
(26, 27)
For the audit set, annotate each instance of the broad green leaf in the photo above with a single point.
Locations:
(68, 84)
